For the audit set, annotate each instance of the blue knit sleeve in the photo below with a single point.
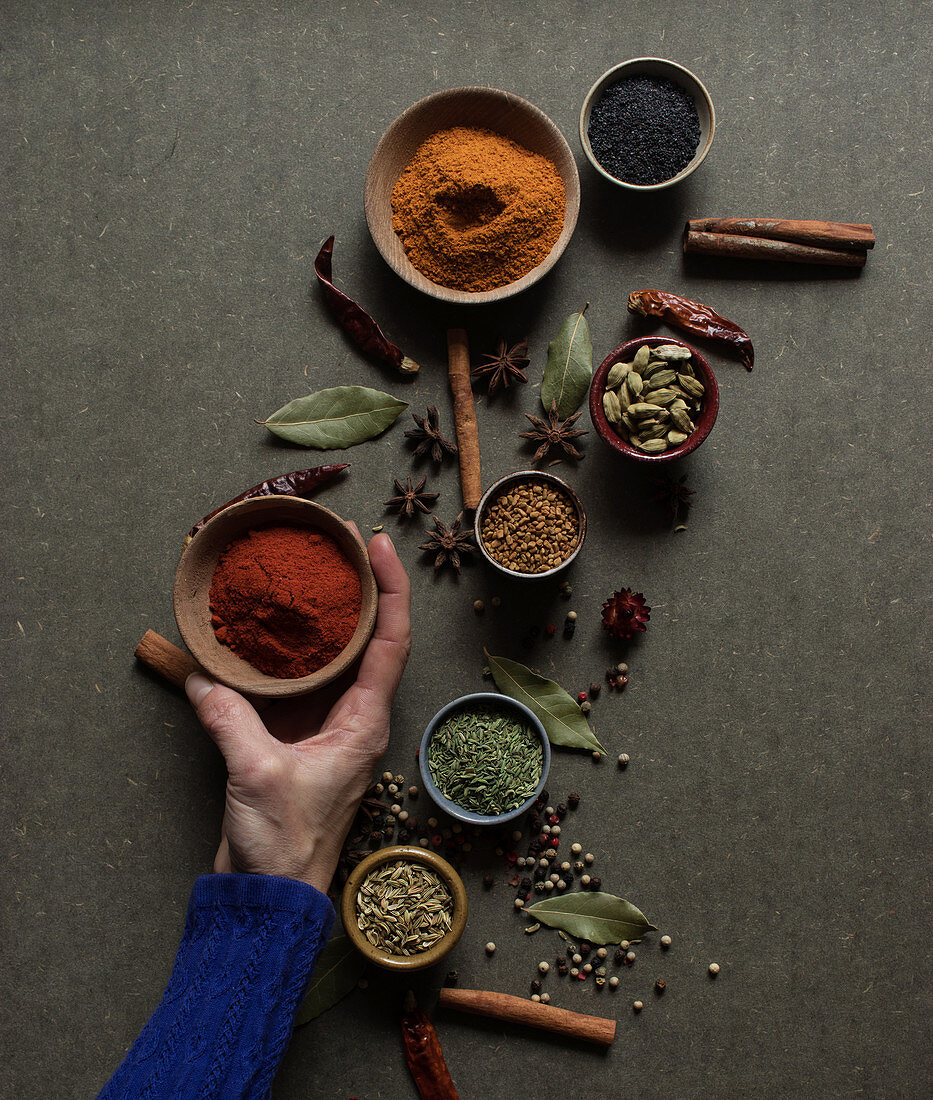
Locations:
(249, 947)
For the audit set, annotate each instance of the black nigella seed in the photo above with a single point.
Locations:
(644, 129)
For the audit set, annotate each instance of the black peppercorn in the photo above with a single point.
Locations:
(451, 979)
(525, 884)
(488, 881)
(562, 970)
(561, 960)
(585, 948)
(535, 824)
(561, 811)
(536, 986)
(569, 627)
(660, 985)
(404, 836)
(595, 688)
(573, 800)
(596, 884)
(619, 957)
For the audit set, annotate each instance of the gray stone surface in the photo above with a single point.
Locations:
(169, 171)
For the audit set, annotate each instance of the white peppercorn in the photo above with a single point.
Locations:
(614, 981)
(576, 849)
(589, 858)
(713, 969)
(544, 966)
(387, 777)
(666, 941)
(637, 1005)
(577, 959)
(601, 953)
(490, 948)
(519, 903)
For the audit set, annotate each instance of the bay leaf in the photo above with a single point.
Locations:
(593, 916)
(339, 967)
(569, 368)
(560, 714)
(338, 417)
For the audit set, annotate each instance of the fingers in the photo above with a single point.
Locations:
(387, 653)
(230, 721)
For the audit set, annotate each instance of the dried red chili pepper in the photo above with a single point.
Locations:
(299, 483)
(423, 1054)
(356, 322)
(693, 317)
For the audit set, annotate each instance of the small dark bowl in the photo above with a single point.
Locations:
(528, 475)
(704, 424)
(501, 702)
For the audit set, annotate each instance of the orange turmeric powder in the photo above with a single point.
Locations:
(475, 210)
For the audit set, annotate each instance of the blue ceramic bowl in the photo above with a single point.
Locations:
(500, 702)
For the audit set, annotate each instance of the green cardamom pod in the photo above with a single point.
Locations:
(681, 420)
(634, 384)
(641, 357)
(690, 386)
(653, 367)
(656, 431)
(671, 352)
(663, 397)
(643, 409)
(675, 438)
(660, 379)
(617, 373)
(652, 446)
(612, 408)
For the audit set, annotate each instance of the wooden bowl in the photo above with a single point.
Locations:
(705, 421)
(656, 67)
(193, 584)
(447, 875)
(489, 109)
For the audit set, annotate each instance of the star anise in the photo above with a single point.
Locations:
(410, 498)
(554, 433)
(674, 492)
(428, 438)
(448, 543)
(506, 366)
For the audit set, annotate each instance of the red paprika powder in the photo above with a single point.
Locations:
(286, 599)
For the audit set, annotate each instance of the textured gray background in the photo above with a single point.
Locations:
(169, 171)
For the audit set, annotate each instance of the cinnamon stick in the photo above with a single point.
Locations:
(517, 1010)
(458, 358)
(844, 236)
(736, 247)
(165, 659)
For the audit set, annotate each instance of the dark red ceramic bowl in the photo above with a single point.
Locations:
(704, 424)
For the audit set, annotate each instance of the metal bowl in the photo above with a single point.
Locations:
(499, 702)
(506, 482)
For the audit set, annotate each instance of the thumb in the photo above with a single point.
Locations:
(230, 720)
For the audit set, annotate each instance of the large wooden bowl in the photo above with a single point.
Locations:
(490, 109)
(193, 586)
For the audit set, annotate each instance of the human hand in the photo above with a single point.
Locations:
(297, 774)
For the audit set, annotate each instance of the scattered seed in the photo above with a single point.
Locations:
(623, 759)
(637, 1006)
(659, 986)
(666, 941)
(713, 969)
(490, 948)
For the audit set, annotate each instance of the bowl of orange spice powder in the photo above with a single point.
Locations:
(472, 195)
(275, 596)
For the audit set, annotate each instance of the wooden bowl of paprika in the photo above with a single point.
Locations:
(287, 584)
(475, 213)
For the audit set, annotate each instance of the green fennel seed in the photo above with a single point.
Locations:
(485, 761)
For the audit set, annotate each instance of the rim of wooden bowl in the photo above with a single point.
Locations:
(705, 421)
(490, 108)
(191, 593)
(412, 854)
(652, 66)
